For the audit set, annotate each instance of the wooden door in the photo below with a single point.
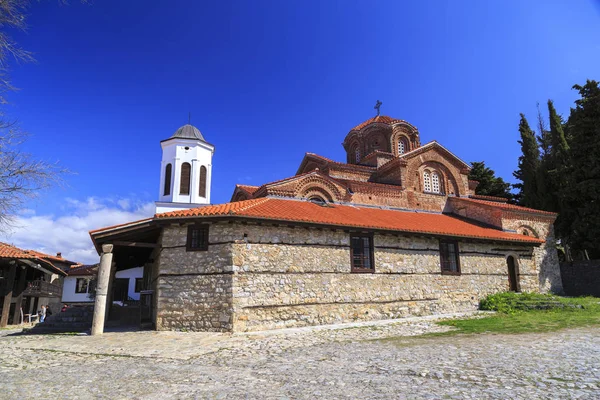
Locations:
(512, 274)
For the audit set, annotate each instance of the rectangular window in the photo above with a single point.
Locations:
(81, 285)
(361, 253)
(139, 284)
(449, 259)
(197, 238)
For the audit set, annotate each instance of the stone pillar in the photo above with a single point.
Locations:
(102, 289)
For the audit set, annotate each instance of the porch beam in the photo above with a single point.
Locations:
(20, 290)
(102, 289)
(135, 244)
(8, 291)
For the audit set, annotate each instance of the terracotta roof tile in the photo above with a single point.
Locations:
(352, 216)
(83, 270)
(506, 206)
(50, 257)
(381, 119)
(250, 189)
(10, 251)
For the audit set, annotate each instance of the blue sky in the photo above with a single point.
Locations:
(267, 81)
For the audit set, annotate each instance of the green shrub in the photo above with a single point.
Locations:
(511, 302)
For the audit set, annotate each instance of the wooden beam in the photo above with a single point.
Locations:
(8, 291)
(135, 244)
(20, 289)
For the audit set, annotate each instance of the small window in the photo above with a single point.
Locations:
(361, 253)
(426, 181)
(139, 284)
(202, 191)
(197, 238)
(357, 155)
(435, 183)
(184, 186)
(449, 259)
(168, 170)
(401, 147)
(82, 285)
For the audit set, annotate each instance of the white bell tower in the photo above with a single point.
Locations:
(185, 170)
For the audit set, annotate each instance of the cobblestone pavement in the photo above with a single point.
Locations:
(376, 362)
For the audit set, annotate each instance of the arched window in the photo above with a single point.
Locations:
(184, 184)
(357, 155)
(202, 191)
(435, 183)
(426, 181)
(401, 147)
(168, 170)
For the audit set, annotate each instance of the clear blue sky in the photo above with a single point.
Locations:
(267, 81)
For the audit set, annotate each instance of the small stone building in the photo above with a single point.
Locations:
(394, 231)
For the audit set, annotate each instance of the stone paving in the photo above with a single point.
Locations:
(374, 361)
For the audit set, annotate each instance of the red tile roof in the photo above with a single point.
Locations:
(506, 206)
(250, 189)
(381, 119)
(50, 257)
(12, 252)
(352, 216)
(83, 270)
(489, 198)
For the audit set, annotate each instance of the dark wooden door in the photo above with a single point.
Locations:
(121, 289)
(512, 274)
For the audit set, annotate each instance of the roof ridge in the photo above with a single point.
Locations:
(255, 202)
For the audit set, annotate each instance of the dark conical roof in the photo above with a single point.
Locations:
(188, 132)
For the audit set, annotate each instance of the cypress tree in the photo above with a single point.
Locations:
(529, 163)
(489, 183)
(581, 211)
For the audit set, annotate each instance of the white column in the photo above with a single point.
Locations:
(102, 289)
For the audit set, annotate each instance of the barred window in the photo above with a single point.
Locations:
(426, 181)
(197, 238)
(401, 147)
(449, 260)
(361, 253)
(357, 155)
(435, 182)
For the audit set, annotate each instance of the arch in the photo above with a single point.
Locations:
(527, 231)
(376, 141)
(401, 144)
(184, 183)
(202, 190)
(447, 182)
(318, 187)
(513, 274)
(168, 173)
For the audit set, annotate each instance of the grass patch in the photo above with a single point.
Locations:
(529, 312)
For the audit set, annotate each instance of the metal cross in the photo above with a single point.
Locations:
(377, 107)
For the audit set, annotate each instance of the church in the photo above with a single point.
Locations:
(394, 230)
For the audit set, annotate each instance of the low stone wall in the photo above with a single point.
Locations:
(581, 278)
(288, 277)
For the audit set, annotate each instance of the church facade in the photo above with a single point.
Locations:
(395, 230)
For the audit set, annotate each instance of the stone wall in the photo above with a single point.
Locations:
(581, 278)
(287, 277)
(194, 289)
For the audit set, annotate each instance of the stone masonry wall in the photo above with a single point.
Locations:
(287, 277)
(194, 289)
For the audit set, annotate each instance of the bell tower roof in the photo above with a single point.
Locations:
(188, 131)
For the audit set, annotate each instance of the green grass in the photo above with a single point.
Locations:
(530, 312)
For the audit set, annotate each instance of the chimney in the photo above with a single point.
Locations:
(59, 254)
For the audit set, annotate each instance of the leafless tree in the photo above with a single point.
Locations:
(22, 176)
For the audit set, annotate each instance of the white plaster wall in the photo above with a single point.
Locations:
(198, 154)
(69, 295)
(132, 274)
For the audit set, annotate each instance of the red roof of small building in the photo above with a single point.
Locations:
(352, 216)
(83, 270)
(507, 206)
(10, 251)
